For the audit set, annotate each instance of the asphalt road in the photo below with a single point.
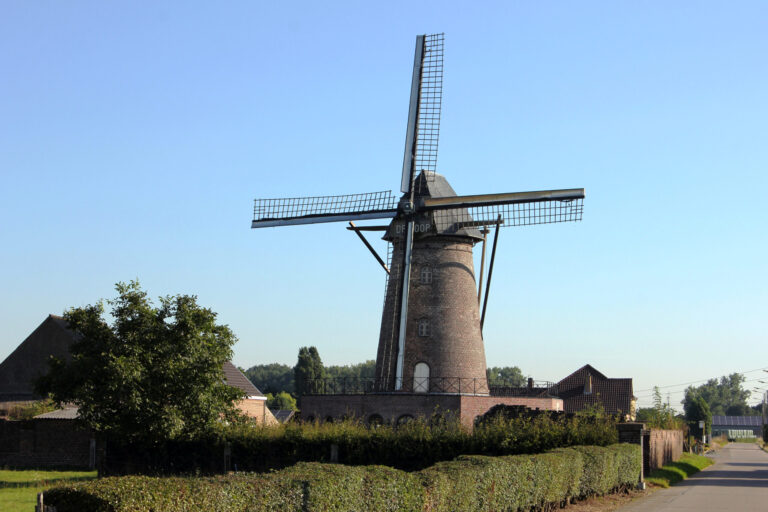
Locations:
(737, 481)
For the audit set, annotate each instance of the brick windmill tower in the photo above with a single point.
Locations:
(430, 345)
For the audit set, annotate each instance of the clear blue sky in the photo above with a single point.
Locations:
(135, 135)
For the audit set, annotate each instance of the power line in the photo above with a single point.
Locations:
(702, 380)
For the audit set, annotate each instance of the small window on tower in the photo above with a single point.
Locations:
(426, 275)
(424, 327)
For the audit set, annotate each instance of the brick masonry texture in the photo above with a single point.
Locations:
(454, 346)
(392, 407)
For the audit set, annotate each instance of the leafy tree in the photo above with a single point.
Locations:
(271, 378)
(661, 415)
(722, 395)
(308, 367)
(697, 409)
(282, 401)
(153, 374)
(366, 370)
(505, 376)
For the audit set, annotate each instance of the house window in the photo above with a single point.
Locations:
(426, 275)
(424, 327)
(421, 378)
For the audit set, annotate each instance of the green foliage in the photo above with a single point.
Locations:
(661, 415)
(29, 411)
(414, 445)
(271, 378)
(505, 376)
(724, 397)
(520, 482)
(674, 472)
(154, 374)
(308, 367)
(366, 370)
(281, 400)
(697, 409)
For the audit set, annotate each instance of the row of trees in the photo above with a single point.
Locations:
(724, 397)
(276, 379)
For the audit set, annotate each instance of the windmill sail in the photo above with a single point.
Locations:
(313, 210)
(421, 139)
(514, 209)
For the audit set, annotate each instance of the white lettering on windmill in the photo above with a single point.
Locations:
(423, 227)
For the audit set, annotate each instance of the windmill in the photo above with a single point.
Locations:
(431, 338)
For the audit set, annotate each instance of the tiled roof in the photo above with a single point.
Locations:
(737, 421)
(282, 415)
(68, 413)
(615, 395)
(235, 378)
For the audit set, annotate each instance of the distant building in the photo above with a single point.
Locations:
(52, 337)
(587, 387)
(735, 427)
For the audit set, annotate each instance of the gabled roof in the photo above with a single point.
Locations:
(53, 338)
(615, 395)
(283, 415)
(235, 378)
(30, 359)
(68, 413)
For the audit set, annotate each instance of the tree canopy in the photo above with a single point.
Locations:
(308, 368)
(505, 376)
(153, 374)
(724, 397)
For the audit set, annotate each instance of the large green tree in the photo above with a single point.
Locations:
(271, 378)
(505, 376)
(308, 367)
(696, 410)
(726, 396)
(153, 374)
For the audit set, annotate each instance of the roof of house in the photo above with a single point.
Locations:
(615, 395)
(235, 378)
(68, 413)
(29, 360)
(737, 421)
(283, 415)
(52, 337)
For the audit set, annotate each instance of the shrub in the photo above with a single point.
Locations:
(472, 482)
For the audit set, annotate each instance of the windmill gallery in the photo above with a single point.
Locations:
(430, 353)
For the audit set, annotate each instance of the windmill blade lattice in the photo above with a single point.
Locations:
(316, 209)
(512, 214)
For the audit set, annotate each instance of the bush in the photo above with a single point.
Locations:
(472, 482)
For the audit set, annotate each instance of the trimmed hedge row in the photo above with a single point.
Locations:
(471, 482)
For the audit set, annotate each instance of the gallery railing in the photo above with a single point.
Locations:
(433, 385)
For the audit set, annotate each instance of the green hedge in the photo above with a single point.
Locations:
(471, 482)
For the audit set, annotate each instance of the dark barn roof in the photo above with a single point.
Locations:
(615, 395)
(53, 338)
(30, 359)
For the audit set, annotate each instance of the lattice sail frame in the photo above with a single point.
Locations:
(512, 214)
(430, 106)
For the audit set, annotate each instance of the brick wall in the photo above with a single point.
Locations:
(44, 443)
(256, 409)
(395, 406)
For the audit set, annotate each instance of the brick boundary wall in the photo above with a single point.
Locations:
(391, 407)
(45, 443)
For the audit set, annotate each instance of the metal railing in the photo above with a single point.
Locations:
(430, 385)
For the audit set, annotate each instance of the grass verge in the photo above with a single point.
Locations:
(678, 471)
(18, 489)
